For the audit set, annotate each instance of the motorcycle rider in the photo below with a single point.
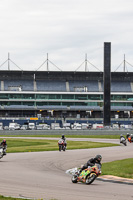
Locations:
(64, 139)
(91, 162)
(130, 138)
(4, 146)
(128, 135)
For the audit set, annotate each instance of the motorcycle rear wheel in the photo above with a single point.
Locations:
(125, 144)
(64, 148)
(74, 179)
(90, 178)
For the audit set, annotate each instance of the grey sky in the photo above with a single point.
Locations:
(66, 30)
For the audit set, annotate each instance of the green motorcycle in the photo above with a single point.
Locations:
(86, 176)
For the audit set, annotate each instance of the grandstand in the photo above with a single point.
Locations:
(69, 95)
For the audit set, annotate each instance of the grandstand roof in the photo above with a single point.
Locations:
(63, 75)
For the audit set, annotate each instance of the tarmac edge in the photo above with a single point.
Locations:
(115, 179)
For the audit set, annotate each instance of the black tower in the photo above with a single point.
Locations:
(107, 83)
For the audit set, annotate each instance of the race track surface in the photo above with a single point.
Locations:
(42, 175)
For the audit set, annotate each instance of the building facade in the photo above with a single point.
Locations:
(63, 94)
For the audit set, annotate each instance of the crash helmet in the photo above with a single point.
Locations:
(128, 134)
(98, 157)
(63, 136)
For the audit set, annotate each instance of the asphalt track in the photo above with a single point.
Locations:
(42, 175)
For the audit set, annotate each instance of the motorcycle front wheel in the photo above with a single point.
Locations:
(74, 179)
(90, 178)
(60, 147)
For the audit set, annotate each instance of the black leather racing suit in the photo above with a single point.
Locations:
(91, 163)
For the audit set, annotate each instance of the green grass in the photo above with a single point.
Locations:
(12, 198)
(9, 198)
(32, 145)
(111, 136)
(121, 168)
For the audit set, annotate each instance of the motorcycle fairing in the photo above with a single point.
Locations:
(83, 174)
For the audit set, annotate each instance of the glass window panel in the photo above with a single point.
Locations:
(4, 96)
(41, 103)
(67, 96)
(28, 96)
(95, 97)
(15, 96)
(42, 96)
(54, 96)
(81, 97)
(28, 103)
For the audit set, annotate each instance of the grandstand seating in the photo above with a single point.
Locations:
(53, 85)
(52, 107)
(85, 108)
(120, 87)
(92, 86)
(57, 85)
(25, 107)
(117, 86)
(25, 85)
(67, 93)
(121, 108)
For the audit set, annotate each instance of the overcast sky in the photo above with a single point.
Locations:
(67, 30)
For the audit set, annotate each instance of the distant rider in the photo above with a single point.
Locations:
(4, 146)
(64, 139)
(128, 135)
(92, 162)
(130, 138)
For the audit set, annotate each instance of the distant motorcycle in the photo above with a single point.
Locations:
(130, 138)
(123, 140)
(62, 145)
(2, 153)
(87, 176)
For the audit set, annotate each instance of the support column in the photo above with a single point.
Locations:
(107, 83)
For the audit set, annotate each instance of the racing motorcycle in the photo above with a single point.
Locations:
(87, 176)
(130, 138)
(123, 141)
(62, 145)
(1, 152)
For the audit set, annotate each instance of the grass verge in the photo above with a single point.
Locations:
(9, 198)
(121, 168)
(33, 145)
(12, 198)
(67, 136)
